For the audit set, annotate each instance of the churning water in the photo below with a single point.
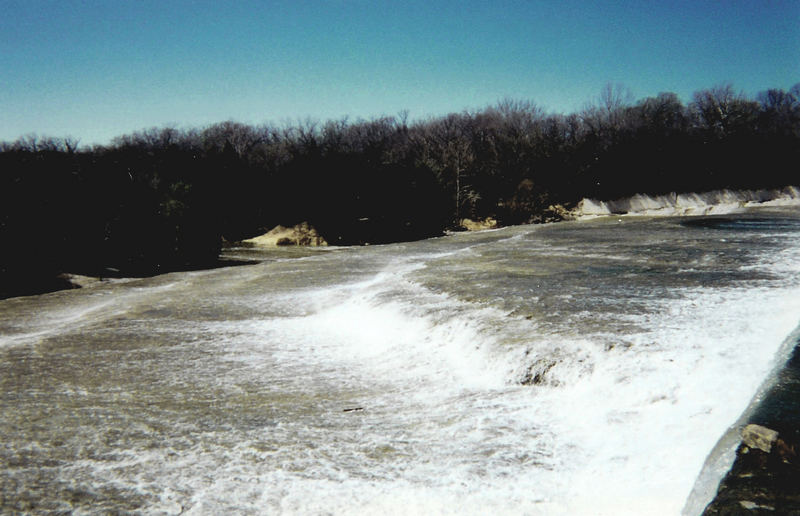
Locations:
(575, 368)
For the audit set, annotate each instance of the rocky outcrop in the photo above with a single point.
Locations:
(477, 225)
(301, 234)
(557, 213)
(538, 372)
(759, 437)
(764, 478)
(80, 281)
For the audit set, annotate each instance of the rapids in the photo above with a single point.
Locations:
(584, 367)
(707, 203)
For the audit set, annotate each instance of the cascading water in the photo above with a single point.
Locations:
(715, 202)
(576, 368)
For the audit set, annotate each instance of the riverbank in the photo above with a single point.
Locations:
(34, 284)
(688, 204)
(765, 475)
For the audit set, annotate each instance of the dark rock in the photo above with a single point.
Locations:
(764, 478)
(537, 372)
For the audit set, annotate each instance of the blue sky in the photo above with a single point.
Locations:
(99, 69)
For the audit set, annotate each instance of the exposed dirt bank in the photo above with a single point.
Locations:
(301, 234)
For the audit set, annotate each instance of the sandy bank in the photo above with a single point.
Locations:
(477, 225)
(301, 234)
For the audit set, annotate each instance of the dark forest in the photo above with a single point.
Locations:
(167, 199)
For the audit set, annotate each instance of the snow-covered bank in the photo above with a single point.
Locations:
(707, 203)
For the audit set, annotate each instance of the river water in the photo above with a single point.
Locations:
(584, 367)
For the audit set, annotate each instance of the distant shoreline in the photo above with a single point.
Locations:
(673, 205)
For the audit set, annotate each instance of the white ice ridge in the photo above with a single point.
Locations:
(673, 204)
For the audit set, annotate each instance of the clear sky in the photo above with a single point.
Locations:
(96, 69)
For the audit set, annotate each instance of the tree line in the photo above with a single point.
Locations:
(166, 198)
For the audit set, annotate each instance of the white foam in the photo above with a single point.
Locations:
(716, 202)
(619, 423)
(619, 431)
(648, 415)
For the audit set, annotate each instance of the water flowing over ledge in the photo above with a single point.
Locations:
(715, 202)
(577, 368)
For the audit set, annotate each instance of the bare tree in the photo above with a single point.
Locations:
(240, 137)
(614, 97)
(447, 150)
(721, 110)
(663, 114)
